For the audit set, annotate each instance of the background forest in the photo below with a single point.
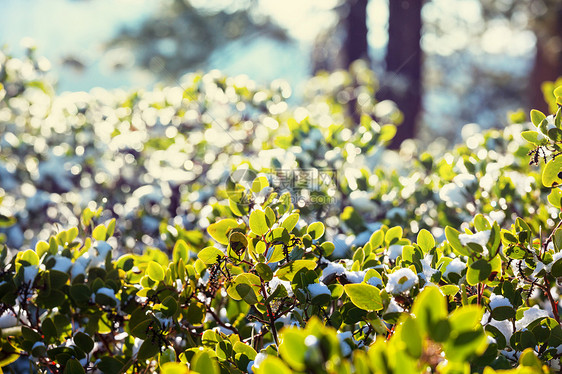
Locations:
(442, 57)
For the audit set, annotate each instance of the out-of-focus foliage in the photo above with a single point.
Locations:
(203, 250)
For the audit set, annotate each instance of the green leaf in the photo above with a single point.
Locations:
(110, 365)
(551, 175)
(258, 223)
(393, 235)
(537, 117)
(245, 349)
(83, 341)
(425, 240)
(166, 356)
(49, 329)
(556, 269)
(202, 362)
(238, 243)
(209, 255)
(315, 230)
(73, 367)
(452, 236)
(288, 271)
(376, 239)
(174, 368)
(387, 133)
(429, 308)
(534, 137)
(31, 257)
(290, 222)
(180, 251)
(147, 350)
(99, 233)
(259, 184)
(170, 306)
(478, 272)
(364, 296)
(264, 271)
(247, 293)
(155, 271)
(555, 197)
(272, 365)
(270, 216)
(293, 348)
(328, 248)
(410, 334)
(501, 313)
(220, 230)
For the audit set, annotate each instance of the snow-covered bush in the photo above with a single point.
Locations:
(196, 256)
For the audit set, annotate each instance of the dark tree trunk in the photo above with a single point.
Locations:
(355, 44)
(548, 58)
(403, 64)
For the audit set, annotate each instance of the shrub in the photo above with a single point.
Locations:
(185, 265)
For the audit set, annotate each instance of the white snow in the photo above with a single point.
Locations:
(497, 216)
(505, 327)
(316, 289)
(401, 280)
(499, 300)
(428, 271)
(276, 282)
(355, 276)
(374, 281)
(453, 195)
(393, 307)
(455, 266)
(345, 348)
(394, 251)
(29, 273)
(37, 344)
(332, 268)
(8, 319)
(396, 211)
(62, 264)
(480, 238)
(259, 359)
(529, 316)
(107, 292)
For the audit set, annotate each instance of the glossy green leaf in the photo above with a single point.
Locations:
(180, 251)
(220, 230)
(429, 308)
(73, 366)
(83, 341)
(364, 296)
(155, 271)
(552, 173)
(293, 348)
(425, 240)
(537, 117)
(202, 362)
(209, 255)
(258, 223)
(478, 272)
(290, 222)
(315, 230)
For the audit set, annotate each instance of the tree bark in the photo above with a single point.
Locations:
(356, 46)
(548, 57)
(403, 83)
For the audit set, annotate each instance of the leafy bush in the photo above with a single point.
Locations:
(197, 259)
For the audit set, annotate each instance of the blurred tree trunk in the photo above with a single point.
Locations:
(355, 46)
(403, 65)
(548, 56)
